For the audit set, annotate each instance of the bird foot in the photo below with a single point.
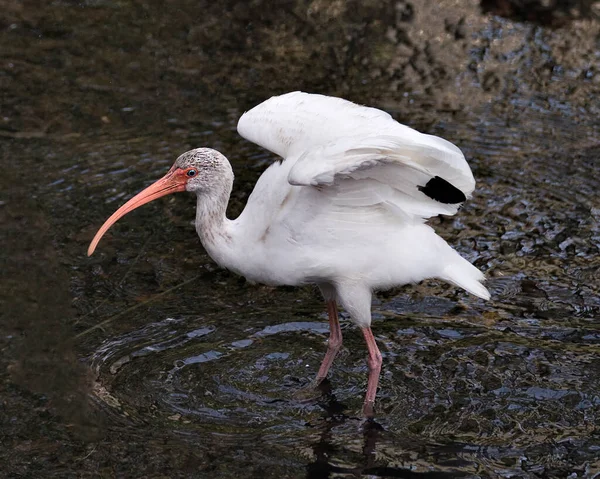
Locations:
(369, 409)
(314, 391)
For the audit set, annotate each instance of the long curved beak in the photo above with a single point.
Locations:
(172, 182)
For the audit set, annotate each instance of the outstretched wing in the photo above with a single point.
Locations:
(369, 157)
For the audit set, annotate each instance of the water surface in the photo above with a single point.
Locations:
(147, 360)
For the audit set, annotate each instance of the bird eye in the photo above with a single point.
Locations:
(191, 173)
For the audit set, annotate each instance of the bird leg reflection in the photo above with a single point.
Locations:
(334, 344)
(374, 362)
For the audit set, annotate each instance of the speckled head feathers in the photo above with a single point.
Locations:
(199, 157)
(214, 172)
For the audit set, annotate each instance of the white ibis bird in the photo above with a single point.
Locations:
(345, 210)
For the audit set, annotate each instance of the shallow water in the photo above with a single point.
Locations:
(147, 360)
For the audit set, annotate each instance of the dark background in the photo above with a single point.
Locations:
(146, 360)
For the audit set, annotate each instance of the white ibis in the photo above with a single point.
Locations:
(345, 210)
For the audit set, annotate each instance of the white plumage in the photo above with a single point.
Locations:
(344, 206)
(346, 209)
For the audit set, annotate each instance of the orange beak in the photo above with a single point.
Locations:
(174, 181)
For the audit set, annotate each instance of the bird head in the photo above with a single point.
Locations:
(195, 171)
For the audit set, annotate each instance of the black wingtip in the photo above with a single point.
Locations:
(439, 189)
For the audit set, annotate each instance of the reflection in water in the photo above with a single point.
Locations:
(324, 450)
(364, 461)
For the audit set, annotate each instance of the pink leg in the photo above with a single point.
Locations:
(334, 344)
(374, 363)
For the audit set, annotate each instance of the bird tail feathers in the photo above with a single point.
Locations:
(464, 275)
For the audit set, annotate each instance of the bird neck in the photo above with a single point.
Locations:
(212, 225)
